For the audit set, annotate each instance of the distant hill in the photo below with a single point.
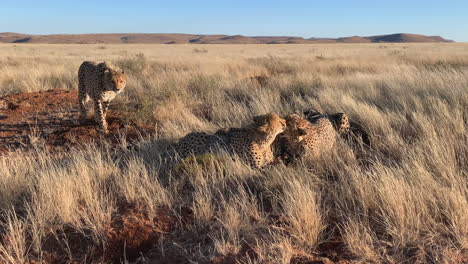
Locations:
(156, 38)
(407, 38)
(354, 39)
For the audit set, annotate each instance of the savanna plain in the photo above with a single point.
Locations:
(401, 199)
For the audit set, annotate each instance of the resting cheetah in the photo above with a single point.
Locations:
(252, 143)
(102, 84)
(352, 132)
(198, 143)
(302, 137)
(339, 121)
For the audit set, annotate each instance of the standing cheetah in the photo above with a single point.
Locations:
(102, 84)
(302, 137)
(251, 143)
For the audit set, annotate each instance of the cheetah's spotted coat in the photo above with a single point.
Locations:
(302, 137)
(102, 84)
(339, 121)
(252, 143)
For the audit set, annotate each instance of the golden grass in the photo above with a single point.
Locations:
(403, 200)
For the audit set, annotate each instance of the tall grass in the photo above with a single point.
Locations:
(404, 200)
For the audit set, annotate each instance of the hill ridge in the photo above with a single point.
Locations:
(180, 38)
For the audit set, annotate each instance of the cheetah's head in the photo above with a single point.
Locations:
(269, 125)
(114, 80)
(296, 133)
(297, 128)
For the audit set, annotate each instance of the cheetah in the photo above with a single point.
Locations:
(304, 138)
(350, 131)
(340, 121)
(102, 84)
(199, 143)
(252, 143)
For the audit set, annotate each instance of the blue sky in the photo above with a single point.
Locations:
(307, 18)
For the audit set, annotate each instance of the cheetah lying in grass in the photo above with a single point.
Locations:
(316, 133)
(339, 121)
(252, 142)
(102, 84)
(352, 132)
(268, 140)
(304, 138)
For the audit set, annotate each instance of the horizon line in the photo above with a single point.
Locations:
(220, 34)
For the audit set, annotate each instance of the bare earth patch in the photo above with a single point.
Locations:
(130, 234)
(51, 118)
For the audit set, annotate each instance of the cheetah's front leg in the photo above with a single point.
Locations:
(82, 99)
(105, 106)
(99, 117)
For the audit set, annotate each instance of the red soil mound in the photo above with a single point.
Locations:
(51, 118)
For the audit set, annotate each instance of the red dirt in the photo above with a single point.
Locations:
(132, 232)
(246, 254)
(51, 118)
(129, 235)
(55, 248)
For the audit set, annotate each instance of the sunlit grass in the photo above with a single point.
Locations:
(403, 200)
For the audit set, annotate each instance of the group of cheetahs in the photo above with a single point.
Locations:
(267, 139)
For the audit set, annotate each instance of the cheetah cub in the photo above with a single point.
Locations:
(102, 84)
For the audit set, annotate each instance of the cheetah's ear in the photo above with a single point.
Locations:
(301, 132)
(292, 117)
(261, 122)
(107, 73)
(263, 128)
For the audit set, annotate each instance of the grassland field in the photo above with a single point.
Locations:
(403, 200)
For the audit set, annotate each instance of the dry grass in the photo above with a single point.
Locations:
(405, 200)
